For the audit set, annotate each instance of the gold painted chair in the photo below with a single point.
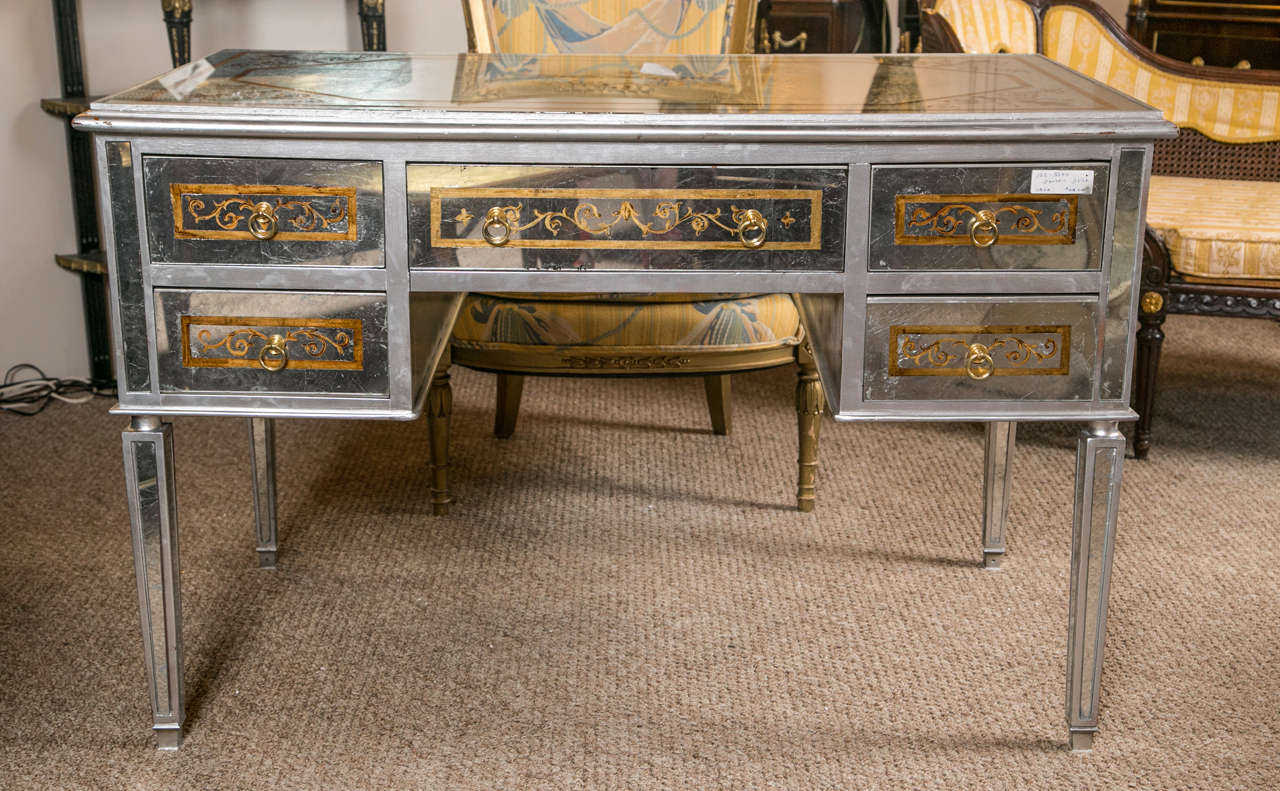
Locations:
(1212, 245)
(708, 335)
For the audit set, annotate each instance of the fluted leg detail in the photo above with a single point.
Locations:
(1099, 458)
(439, 412)
(809, 406)
(153, 516)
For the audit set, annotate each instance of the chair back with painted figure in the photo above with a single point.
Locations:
(708, 335)
(1212, 244)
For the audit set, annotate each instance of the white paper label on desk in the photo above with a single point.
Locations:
(1061, 182)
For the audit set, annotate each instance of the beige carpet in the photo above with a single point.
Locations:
(622, 600)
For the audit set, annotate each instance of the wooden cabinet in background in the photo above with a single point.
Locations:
(822, 26)
(1217, 32)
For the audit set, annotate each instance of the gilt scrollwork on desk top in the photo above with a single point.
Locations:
(1002, 350)
(627, 218)
(239, 341)
(226, 211)
(1016, 219)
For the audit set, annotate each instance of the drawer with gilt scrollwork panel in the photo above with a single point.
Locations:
(1033, 217)
(612, 218)
(980, 348)
(274, 212)
(231, 341)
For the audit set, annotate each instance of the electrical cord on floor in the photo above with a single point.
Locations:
(27, 397)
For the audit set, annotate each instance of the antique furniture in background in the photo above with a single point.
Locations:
(293, 237)
(707, 335)
(822, 26)
(1212, 245)
(88, 259)
(1230, 33)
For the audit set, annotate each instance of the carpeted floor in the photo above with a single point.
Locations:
(622, 600)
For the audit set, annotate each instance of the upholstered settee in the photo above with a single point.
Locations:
(1212, 245)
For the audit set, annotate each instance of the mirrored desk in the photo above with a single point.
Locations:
(290, 235)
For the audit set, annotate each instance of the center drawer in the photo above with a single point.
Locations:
(611, 218)
(224, 341)
(220, 210)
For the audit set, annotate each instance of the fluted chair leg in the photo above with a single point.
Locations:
(510, 388)
(717, 388)
(439, 412)
(809, 406)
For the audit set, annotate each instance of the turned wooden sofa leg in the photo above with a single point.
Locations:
(439, 412)
(809, 406)
(717, 388)
(510, 389)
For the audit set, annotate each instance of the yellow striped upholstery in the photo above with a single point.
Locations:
(744, 322)
(1218, 229)
(986, 26)
(613, 27)
(1225, 111)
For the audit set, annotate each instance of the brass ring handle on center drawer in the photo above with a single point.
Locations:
(497, 228)
(274, 356)
(984, 221)
(262, 223)
(751, 229)
(978, 363)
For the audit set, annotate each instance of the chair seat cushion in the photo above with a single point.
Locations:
(1215, 228)
(727, 322)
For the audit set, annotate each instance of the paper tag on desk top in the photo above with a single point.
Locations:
(1061, 182)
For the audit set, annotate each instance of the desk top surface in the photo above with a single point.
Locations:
(830, 92)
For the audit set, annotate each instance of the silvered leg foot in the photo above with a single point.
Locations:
(153, 515)
(995, 491)
(262, 444)
(1099, 456)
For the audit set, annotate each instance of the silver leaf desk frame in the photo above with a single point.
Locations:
(961, 232)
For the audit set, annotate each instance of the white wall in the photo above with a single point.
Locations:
(124, 43)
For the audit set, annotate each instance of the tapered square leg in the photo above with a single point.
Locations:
(262, 444)
(153, 514)
(1099, 459)
(996, 483)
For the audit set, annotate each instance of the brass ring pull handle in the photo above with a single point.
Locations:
(497, 228)
(978, 363)
(751, 229)
(262, 223)
(274, 357)
(779, 42)
(984, 222)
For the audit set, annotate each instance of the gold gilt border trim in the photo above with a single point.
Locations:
(180, 231)
(354, 326)
(1068, 236)
(814, 197)
(1063, 331)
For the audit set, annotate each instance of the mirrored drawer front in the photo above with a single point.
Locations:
(495, 217)
(264, 211)
(979, 348)
(1007, 217)
(271, 341)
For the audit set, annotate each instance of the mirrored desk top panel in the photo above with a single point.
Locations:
(581, 90)
(816, 84)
